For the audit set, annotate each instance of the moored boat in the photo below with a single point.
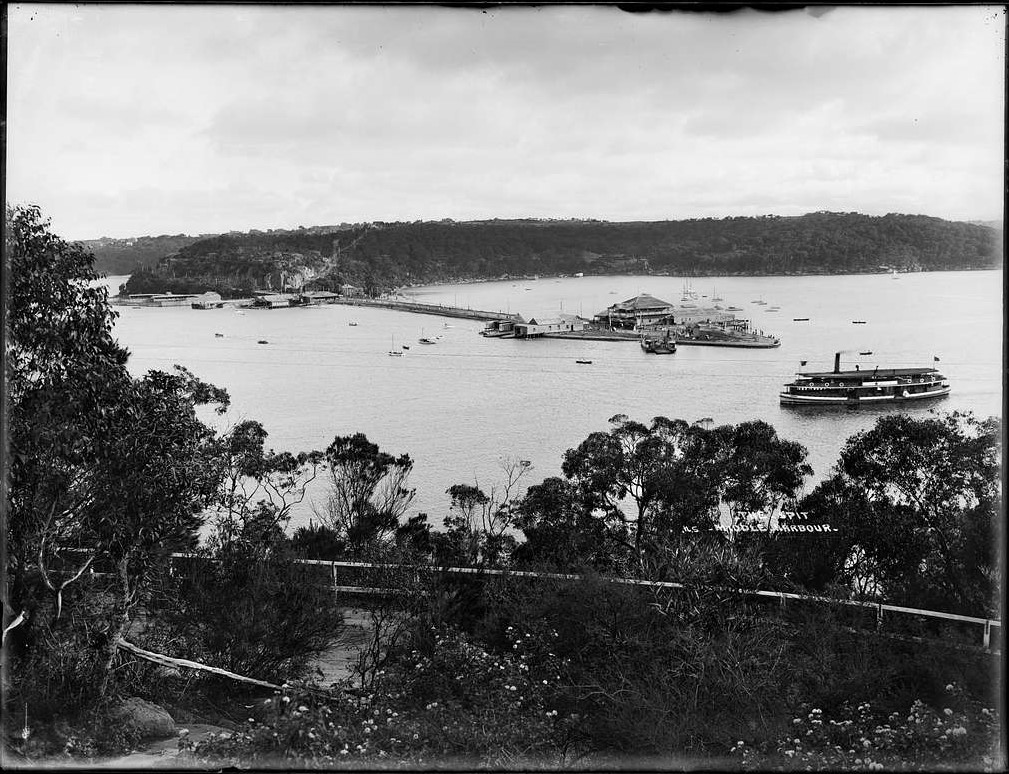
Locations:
(878, 386)
(659, 346)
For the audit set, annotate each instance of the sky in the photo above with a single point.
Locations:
(130, 120)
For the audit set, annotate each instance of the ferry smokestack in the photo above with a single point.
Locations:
(837, 362)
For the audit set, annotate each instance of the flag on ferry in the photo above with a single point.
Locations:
(936, 359)
(802, 362)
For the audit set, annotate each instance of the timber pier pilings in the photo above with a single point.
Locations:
(419, 308)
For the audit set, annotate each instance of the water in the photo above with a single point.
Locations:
(462, 407)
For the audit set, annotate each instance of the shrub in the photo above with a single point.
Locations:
(963, 734)
(261, 616)
(454, 702)
(317, 541)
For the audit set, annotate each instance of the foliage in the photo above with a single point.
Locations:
(962, 735)
(260, 615)
(562, 534)
(652, 672)
(917, 503)
(679, 477)
(63, 372)
(385, 255)
(259, 487)
(107, 471)
(367, 492)
(477, 528)
(453, 703)
(317, 541)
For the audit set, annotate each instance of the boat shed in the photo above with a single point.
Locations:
(543, 325)
(318, 297)
(273, 301)
(208, 300)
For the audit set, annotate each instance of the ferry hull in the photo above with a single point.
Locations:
(789, 399)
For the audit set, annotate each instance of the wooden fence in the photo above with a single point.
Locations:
(989, 629)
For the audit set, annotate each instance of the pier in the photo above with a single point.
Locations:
(418, 308)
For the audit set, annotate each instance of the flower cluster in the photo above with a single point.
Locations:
(456, 700)
(858, 739)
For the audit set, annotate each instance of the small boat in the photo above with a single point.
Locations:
(395, 353)
(733, 309)
(352, 324)
(262, 341)
(853, 388)
(800, 319)
(218, 335)
(406, 347)
(426, 340)
(867, 352)
(858, 322)
(584, 362)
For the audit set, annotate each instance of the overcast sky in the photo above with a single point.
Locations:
(148, 119)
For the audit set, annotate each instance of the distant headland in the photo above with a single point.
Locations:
(381, 255)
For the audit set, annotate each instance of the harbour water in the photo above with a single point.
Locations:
(463, 406)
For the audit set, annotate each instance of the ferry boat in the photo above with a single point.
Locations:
(880, 385)
(664, 346)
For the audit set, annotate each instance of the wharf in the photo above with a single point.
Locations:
(419, 308)
(748, 341)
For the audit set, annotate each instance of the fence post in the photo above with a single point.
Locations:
(782, 600)
(987, 634)
(879, 616)
(336, 593)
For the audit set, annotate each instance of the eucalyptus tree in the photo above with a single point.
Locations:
(105, 471)
(917, 506)
(368, 492)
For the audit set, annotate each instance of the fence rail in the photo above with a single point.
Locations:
(986, 624)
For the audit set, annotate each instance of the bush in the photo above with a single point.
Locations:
(264, 617)
(963, 734)
(453, 703)
(317, 541)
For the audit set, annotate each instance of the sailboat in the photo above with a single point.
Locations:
(394, 352)
(424, 339)
(894, 274)
(715, 296)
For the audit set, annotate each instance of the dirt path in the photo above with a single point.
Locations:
(334, 665)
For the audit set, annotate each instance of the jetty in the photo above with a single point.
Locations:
(418, 308)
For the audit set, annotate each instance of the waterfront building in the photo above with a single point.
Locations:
(542, 325)
(160, 299)
(208, 300)
(638, 312)
(272, 300)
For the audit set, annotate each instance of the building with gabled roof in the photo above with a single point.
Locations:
(635, 312)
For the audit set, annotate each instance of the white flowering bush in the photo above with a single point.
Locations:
(961, 734)
(456, 702)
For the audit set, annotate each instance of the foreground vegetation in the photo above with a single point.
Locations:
(111, 474)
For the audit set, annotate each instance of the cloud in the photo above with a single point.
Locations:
(294, 113)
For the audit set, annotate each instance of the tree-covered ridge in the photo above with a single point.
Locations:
(383, 255)
(123, 256)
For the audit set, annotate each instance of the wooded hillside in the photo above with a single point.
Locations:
(384, 255)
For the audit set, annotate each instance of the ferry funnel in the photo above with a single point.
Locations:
(837, 362)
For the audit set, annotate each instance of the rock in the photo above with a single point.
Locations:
(150, 720)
